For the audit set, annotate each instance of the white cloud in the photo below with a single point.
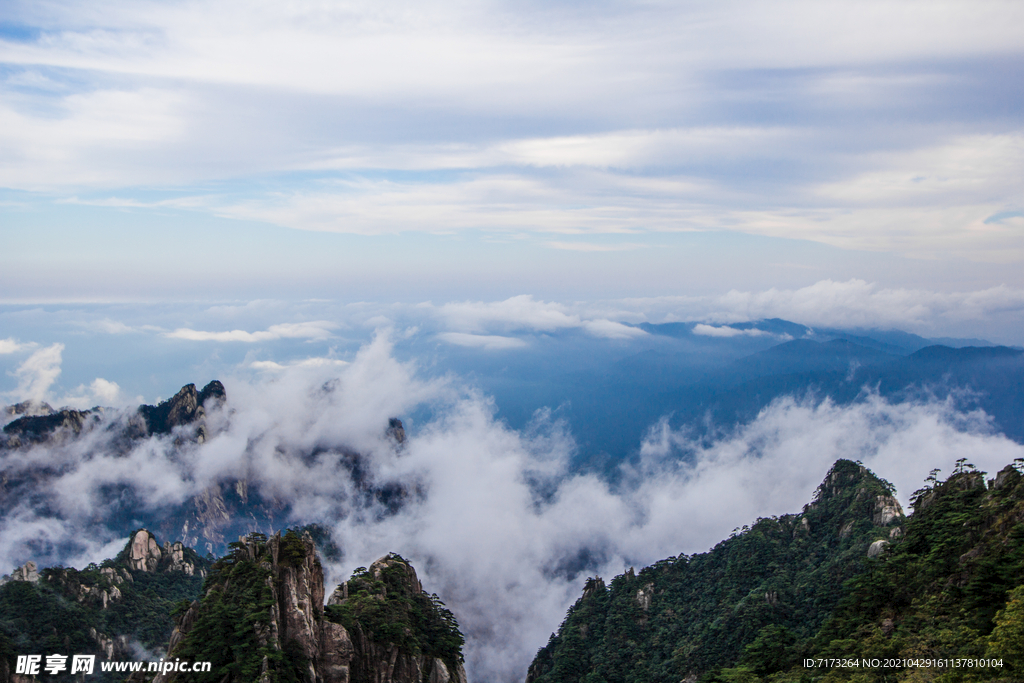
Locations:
(931, 201)
(518, 312)
(100, 392)
(490, 342)
(304, 363)
(521, 313)
(853, 303)
(587, 201)
(41, 152)
(590, 246)
(712, 331)
(38, 373)
(612, 330)
(166, 99)
(105, 390)
(112, 326)
(317, 330)
(11, 345)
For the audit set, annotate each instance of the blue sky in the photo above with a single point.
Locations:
(453, 151)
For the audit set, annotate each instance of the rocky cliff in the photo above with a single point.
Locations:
(40, 423)
(262, 618)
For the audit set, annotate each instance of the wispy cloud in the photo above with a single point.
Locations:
(482, 341)
(853, 303)
(274, 366)
(590, 246)
(725, 331)
(38, 373)
(728, 117)
(315, 330)
(522, 313)
(11, 345)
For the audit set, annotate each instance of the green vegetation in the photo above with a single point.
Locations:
(62, 611)
(40, 619)
(387, 604)
(801, 586)
(951, 589)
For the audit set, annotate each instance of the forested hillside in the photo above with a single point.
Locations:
(848, 578)
(111, 609)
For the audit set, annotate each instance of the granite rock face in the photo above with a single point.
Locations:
(187, 407)
(144, 551)
(27, 572)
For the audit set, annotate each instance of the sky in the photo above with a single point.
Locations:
(452, 151)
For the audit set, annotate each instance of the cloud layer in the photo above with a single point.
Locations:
(854, 303)
(317, 329)
(866, 126)
(502, 529)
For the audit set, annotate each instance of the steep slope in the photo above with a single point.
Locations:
(262, 618)
(685, 616)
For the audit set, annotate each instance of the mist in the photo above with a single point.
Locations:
(493, 518)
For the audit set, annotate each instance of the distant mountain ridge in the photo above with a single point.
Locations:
(891, 340)
(229, 508)
(40, 422)
(709, 378)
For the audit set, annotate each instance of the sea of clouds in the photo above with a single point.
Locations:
(499, 525)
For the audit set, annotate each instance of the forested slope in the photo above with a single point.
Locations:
(848, 578)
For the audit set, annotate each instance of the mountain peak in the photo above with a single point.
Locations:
(846, 474)
(852, 493)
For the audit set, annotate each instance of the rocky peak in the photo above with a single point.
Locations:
(593, 586)
(35, 428)
(39, 422)
(396, 430)
(30, 408)
(27, 572)
(175, 553)
(394, 565)
(851, 497)
(187, 407)
(143, 551)
(212, 394)
(285, 572)
(1007, 478)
